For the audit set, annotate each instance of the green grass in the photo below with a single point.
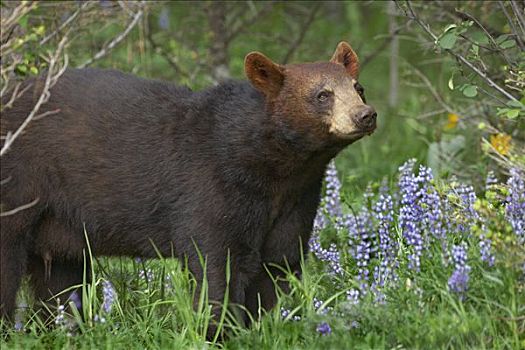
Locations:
(419, 313)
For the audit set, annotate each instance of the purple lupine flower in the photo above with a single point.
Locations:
(515, 204)
(485, 250)
(409, 213)
(332, 199)
(109, 295)
(383, 213)
(353, 295)
(286, 312)
(146, 275)
(430, 206)
(330, 255)
(60, 318)
(19, 326)
(168, 282)
(490, 181)
(75, 299)
(331, 203)
(99, 319)
(469, 215)
(323, 328)
(362, 247)
(317, 307)
(458, 282)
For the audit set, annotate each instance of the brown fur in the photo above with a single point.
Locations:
(140, 163)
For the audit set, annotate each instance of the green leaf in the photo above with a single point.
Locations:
(470, 90)
(479, 37)
(449, 27)
(501, 38)
(508, 44)
(23, 21)
(21, 68)
(448, 40)
(516, 104)
(513, 113)
(451, 83)
(475, 49)
(502, 111)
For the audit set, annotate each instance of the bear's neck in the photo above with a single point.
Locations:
(260, 150)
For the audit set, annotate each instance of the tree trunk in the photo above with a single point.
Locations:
(394, 56)
(218, 51)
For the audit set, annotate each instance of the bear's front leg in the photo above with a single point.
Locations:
(224, 289)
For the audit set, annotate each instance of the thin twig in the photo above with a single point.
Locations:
(434, 92)
(491, 38)
(66, 22)
(511, 24)
(20, 208)
(519, 16)
(248, 21)
(45, 114)
(160, 50)
(380, 48)
(51, 80)
(16, 95)
(6, 180)
(105, 50)
(7, 25)
(302, 32)
(463, 60)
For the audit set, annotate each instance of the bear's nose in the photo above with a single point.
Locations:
(366, 117)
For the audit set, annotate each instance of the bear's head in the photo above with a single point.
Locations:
(321, 100)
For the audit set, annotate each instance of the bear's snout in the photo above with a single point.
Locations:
(365, 118)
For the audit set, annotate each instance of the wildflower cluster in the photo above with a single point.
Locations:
(401, 226)
(109, 295)
(458, 282)
(515, 206)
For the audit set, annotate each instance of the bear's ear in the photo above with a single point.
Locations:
(345, 56)
(265, 76)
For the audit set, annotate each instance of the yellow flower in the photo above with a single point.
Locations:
(453, 120)
(501, 143)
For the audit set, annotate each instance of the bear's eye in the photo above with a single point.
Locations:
(361, 91)
(322, 96)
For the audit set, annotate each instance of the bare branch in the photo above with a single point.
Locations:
(20, 208)
(434, 92)
(248, 21)
(172, 61)
(6, 180)
(369, 58)
(51, 79)
(302, 32)
(45, 114)
(8, 24)
(519, 16)
(66, 22)
(105, 50)
(459, 57)
(512, 25)
(491, 38)
(15, 95)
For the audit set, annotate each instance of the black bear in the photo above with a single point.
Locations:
(231, 171)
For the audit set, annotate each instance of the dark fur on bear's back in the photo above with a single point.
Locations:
(146, 165)
(136, 160)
